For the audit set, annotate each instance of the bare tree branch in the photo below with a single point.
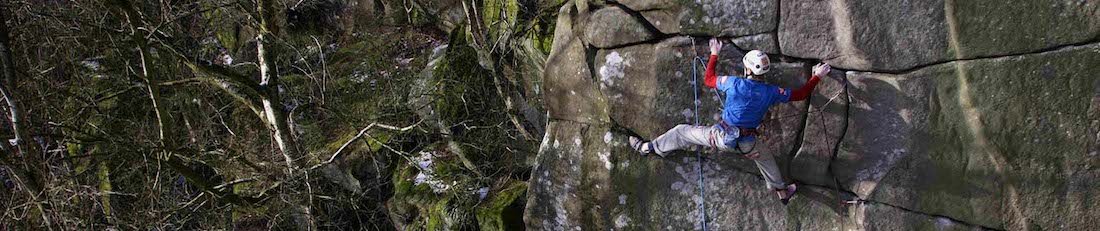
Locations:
(241, 87)
(361, 133)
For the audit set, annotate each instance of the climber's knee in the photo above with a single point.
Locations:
(681, 132)
(761, 155)
(681, 129)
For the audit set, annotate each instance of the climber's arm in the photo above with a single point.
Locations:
(711, 79)
(804, 92)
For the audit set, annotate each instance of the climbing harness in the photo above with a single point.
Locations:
(741, 133)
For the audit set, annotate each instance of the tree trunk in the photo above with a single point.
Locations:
(152, 83)
(275, 115)
(28, 174)
(8, 70)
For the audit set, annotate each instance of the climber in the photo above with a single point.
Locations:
(747, 99)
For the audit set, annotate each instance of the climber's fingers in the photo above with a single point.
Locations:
(753, 156)
(822, 69)
(715, 46)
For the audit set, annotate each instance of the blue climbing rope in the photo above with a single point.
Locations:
(699, 153)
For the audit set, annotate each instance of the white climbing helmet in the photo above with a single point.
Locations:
(757, 61)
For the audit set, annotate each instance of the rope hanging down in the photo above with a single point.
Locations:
(699, 153)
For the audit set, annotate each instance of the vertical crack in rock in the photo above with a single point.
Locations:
(778, 25)
(842, 192)
(974, 123)
(805, 117)
(590, 59)
(843, 133)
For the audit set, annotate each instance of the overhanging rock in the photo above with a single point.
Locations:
(726, 18)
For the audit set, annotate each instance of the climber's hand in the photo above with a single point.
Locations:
(822, 69)
(753, 156)
(715, 46)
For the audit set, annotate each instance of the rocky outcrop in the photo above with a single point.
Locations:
(568, 92)
(946, 115)
(889, 35)
(902, 35)
(616, 28)
(716, 17)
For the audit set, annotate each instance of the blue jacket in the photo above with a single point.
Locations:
(748, 100)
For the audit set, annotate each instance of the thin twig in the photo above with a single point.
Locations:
(324, 71)
(234, 182)
(360, 135)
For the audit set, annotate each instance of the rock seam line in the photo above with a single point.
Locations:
(866, 201)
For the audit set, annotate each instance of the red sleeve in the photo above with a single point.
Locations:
(711, 79)
(804, 92)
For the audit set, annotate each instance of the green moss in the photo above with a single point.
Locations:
(80, 165)
(499, 212)
(104, 177)
(375, 144)
(74, 149)
(451, 209)
(543, 37)
(225, 26)
(436, 215)
(372, 144)
(402, 181)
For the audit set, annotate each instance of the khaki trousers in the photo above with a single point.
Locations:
(686, 136)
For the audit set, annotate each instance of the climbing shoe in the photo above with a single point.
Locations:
(791, 188)
(640, 146)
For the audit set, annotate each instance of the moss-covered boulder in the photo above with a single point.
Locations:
(504, 209)
(433, 191)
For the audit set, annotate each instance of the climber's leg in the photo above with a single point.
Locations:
(683, 136)
(765, 161)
